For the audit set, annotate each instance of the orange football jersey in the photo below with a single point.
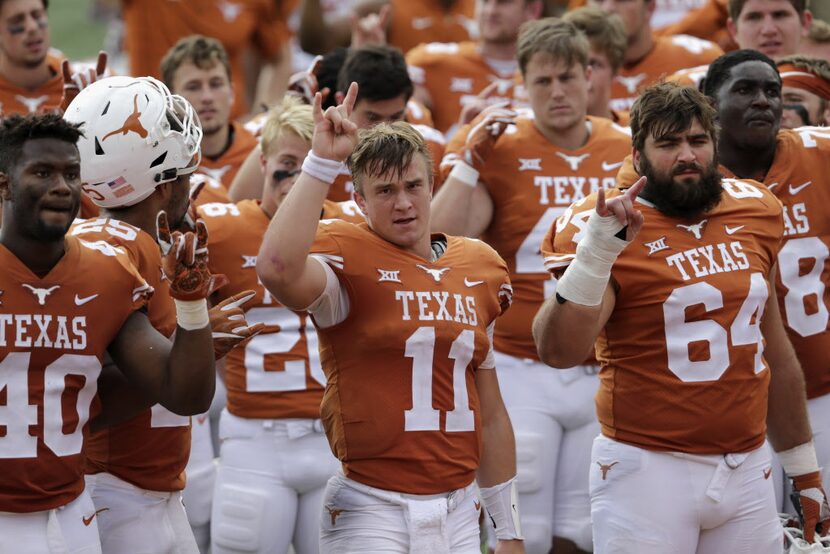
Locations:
(151, 449)
(414, 23)
(152, 27)
(669, 54)
(277, 374)
(401, 410)
(54, 333)
(531, 183)
(212, 192)
(682, 352)
(690, 76)
(17, 100)
(224, 168)
(803, 282)
(454, 73)
(343, 187)
(347, 211)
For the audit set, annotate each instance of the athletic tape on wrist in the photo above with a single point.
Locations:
(502, 504)
(192, 314)
(321, 168)
(464, 173)
(587, 276)
(799, 460)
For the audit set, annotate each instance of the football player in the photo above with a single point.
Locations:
(385, 91)
(412, 406)
(806, 83)
(746, 90)
(67, 303)
(198, 69)
(606, 34)
(773, 27)
(447, 76)
(649, 57)
(274, 454)
(670, 274)
(508, 190)
(139, 464)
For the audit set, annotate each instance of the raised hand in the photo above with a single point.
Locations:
(484, 134)
(815, 511)
(335, 135)
(190, 216)
(472, 109)
(227, 322)
(184, 261)
(370, 29)
(74, 83)
(622, 207)
(305, 84)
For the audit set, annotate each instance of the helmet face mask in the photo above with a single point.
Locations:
(137, 135)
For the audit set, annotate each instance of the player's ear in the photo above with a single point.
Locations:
(635, 159)
(360, 201)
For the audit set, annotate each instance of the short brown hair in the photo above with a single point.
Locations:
(561, 39)
(735, 7)
(605, 32)
(387, 147)
(203, 52)
(667, 108)
(819, 31)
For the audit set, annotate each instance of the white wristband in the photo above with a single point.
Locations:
(465, 173)
(799, 460)
(502, 504)
(192, 314)
(587, 276)
(321, 168)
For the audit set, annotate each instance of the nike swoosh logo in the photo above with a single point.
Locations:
(88, 520)
(471, 283)
(772, 185)
(767, 473)
(477, 505)
(732, 230)
(81, 301)
(610, 167)
(799, 188)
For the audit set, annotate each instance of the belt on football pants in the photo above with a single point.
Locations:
(724, 466)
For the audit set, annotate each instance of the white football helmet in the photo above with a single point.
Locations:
(137, 135)
(794, 542)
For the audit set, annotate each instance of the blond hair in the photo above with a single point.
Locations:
(203, 52)
(387, 148)
(556, 37)
(605, 32)
(292, 116)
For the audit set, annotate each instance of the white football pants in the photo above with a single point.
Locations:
(139, 521)
(357, 519)
(554, 421)
(270, 484)
(649, 502)
(69, 529)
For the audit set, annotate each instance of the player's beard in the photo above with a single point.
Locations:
(682, 200)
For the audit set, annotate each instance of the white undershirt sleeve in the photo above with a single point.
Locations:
(332, 306)
(490, 361)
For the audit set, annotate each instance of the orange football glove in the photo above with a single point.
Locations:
(485, 131)
(184, 261)
(815, 512)
(227, 321)
(74, 83)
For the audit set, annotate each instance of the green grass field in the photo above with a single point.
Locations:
(73, 30)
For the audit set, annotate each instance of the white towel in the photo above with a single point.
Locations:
(428, 526)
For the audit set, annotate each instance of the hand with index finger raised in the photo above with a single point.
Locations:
(335, 134)
(623, 208)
